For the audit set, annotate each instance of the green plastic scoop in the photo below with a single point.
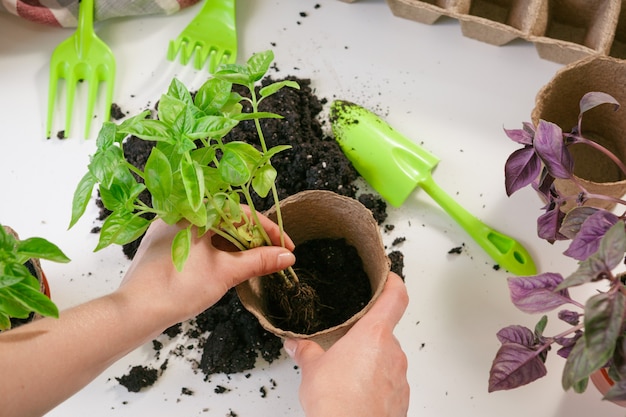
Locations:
(395, 166)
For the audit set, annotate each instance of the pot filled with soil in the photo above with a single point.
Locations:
(340, 263)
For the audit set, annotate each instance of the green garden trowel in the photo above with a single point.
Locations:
(395, 166)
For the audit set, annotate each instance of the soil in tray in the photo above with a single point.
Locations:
(229, 337)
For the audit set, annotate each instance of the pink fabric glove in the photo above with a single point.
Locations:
(64, 13)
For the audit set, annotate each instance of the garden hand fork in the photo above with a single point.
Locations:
(210, 35)
(81, 57)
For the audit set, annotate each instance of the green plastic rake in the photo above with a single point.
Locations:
(81, 57)
(211, 36)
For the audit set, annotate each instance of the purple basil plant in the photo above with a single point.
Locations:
(596, 337)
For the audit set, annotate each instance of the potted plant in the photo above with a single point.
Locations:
(594, 345)
(24, 290)
(191, 173)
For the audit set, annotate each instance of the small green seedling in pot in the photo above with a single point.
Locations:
(191, 174)
(20, 291)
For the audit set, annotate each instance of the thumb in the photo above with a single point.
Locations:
(303, 351)
(257, 262)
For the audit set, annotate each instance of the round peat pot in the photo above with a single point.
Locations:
(313, 215)
(558, 102)
(603, 383)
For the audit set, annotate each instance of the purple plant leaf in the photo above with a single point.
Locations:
(516, 334)
(515, 365)
(567, 344)
(550, 147)
(596, 98)
(522, 136)
(536, 294)
(574, 219)
(569, 317)
(544, 185)
(521, 168)
(549, 224)
(592, 230)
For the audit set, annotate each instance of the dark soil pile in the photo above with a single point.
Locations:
(230, 337)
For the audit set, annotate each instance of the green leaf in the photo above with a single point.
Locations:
(263, 180)
(213, 126)
(82, 196)
(213, 95)
(196, 216)
(203, 156)
(149, 129)
(170, 109)
(13, 273)
(131, 124)
(233, 73)
(158, 175)
(275, 87)
(258, 64)
(180, 248)
(106, 135)
(213, 182)
(179, 91)
(33, 299)
(193, 182)
(5, 321)
(121, 227)
(238, 162)
(37, 247)
(257, 115)
(114, 197)
(604, 316)
(577, 367)
(540, 327)
(184, 123)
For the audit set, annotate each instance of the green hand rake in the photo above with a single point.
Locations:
(210, 35)
(81, 57)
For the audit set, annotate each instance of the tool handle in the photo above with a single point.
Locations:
(506, 251)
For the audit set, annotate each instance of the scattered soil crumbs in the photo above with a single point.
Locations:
(139, 377)
(229, 336)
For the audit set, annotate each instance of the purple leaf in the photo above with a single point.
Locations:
(596, 98)
(536, 294)
(587, 240)
(574, 220)
(549, 223)
(516, 334)
(522, 136)
(568, 344)
(515, 365)
(551, 148)
(521, 168)
(569, 317)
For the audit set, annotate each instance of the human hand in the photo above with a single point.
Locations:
(364, 372)
(210, 271)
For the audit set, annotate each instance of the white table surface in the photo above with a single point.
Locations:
(452, 93)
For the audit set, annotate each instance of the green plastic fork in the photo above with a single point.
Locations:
(211, 35)
(81, 57)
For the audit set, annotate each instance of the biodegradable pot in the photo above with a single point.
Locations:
(557, 102)
(603, 383)
(319, 214)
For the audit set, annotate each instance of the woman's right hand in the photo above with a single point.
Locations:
(364, 372)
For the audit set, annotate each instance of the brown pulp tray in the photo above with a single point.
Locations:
(563, 31)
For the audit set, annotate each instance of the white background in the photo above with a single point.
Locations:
(452, 93)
